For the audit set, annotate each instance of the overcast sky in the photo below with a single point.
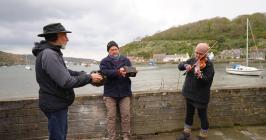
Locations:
(95, 22)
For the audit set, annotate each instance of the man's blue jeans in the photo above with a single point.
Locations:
(57, 124)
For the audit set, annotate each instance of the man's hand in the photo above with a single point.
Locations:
(198, 72)
(188, 67)
(96, 77)
(122, 72)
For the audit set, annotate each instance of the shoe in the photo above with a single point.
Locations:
(184, 136)
(126, 138)
(203, 135)
(201, 138)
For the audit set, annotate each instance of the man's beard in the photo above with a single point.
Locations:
(63, 46)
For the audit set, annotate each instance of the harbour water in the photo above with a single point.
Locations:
(17, 82)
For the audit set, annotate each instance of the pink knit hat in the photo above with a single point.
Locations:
(202, 48)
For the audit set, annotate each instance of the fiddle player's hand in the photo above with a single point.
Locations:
(96, 77)
(198, 73)
(188, 67)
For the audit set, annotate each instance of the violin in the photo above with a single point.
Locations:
(201, 63)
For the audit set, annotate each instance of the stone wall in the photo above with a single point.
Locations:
(152, 113)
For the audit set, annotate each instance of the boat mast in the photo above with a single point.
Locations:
(247, 45)
(26, 60)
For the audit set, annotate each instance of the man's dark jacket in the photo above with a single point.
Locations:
(56, 82)
(115, 85)
(197, 89)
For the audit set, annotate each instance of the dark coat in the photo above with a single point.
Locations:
(115, 85)
(56, 82)
(197, 89)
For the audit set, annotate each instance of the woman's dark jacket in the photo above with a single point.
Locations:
(197, 89)
(115, 85)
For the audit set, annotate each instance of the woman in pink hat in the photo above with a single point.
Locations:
(196, 90)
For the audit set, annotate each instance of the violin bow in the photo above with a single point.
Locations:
(201, 57)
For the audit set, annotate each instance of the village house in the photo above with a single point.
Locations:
(176, 58)
(231, 54)
(159, 57)
(136, 59)
(170, 58)
(257, 53)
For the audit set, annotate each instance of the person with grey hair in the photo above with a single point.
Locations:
(55, 80)
(196, 90)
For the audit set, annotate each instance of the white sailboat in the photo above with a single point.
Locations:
(244, 69)
(27, 67)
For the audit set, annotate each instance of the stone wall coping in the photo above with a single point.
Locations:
(139, 93)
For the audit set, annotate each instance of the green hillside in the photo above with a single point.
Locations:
(11, 59)
(182, 39)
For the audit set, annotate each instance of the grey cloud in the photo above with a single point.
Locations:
(92, 22)
(24, 19)
(35, 10)
(12, 11)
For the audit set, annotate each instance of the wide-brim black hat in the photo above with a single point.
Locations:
(53, 28)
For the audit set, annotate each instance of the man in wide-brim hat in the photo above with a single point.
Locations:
(56, 82)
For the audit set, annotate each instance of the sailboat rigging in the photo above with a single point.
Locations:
(245, 69)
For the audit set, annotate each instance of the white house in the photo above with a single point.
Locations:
(176, 58)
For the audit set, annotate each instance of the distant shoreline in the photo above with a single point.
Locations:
(214, 61)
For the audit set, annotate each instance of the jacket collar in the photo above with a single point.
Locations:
(121, 58)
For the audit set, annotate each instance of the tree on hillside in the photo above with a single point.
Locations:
(182, 39)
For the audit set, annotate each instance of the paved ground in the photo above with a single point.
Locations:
(235, 133)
